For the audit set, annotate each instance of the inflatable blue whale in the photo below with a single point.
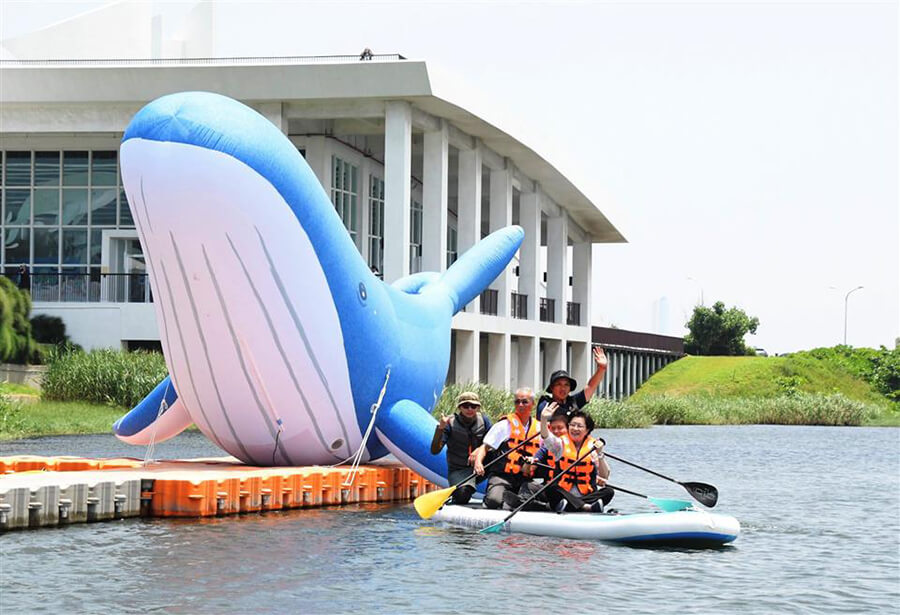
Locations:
(282, 346)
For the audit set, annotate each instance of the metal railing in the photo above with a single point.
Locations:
(90, 287)
(519, 306)
(489, 301)
(573, 313)
(548, 310)
(237, 60)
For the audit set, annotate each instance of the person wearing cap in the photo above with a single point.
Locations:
(506, 479)
(561, 386)
(462, 433)
(584, 484)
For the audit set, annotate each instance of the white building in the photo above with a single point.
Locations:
(416, 176)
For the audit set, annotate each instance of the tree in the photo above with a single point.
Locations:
(717, 331)
(16, 343)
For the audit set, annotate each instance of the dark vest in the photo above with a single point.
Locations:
(463, 440)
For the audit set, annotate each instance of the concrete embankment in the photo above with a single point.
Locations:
(51, 491)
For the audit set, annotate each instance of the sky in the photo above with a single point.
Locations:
(747, 150)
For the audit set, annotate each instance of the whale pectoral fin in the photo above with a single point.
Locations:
(414, 283)
(145, 423)
(474, 270)
(406, 429)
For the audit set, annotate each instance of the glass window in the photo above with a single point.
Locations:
(103, 168)
(451, 246)
(17, 208)
(74, 206)
(103, 207)
(46, 168)
(344, 193)
(125, 219)
(415, 237)
(18, 168)
(75, 168)
(376, 224)
(46, 206)
(16, 245)
(96, 246)
(74, 246)
(46, 246)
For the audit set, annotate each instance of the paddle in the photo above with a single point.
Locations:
(493, 529)
(428, 503)
(664, 504)
(702, 492)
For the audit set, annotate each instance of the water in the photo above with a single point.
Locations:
(819, 508)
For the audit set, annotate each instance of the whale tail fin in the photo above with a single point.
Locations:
(478, 266)
(158, 417)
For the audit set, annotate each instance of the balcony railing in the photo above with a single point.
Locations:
(91, 287)
(489, 302)
(548, 310)
(519, 306)
(573, 313)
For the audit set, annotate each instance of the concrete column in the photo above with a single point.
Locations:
(581, 282)
(616, 375)
(498, 360)
(362, 237)
(501, 217)
(580, 362)
(318, 157)
(274, 112)
(530, 252)
(468, 232)
(557, 271)
(529, 373)
(434, 200)
(467, 356)
(554, 357)
(397, 190)
(634, 371)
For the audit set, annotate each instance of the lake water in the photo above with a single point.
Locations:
(819, 508)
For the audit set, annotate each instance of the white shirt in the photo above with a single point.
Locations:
(499, 433)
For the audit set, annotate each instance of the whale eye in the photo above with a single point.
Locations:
(362, 293)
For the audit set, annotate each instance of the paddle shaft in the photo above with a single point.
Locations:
(622, 489)
(634, 465)
(552, 482)
(493, 461)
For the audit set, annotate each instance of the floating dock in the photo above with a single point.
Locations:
(52, 491)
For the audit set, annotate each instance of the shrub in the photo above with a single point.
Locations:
(49, 329)
(16, 343)
(110, 377)
(12, 420)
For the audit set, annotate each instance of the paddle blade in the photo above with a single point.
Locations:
(492, 529)
(703, 493)
(671, 505)
(428, 503)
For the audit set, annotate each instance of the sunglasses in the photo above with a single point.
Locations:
(467, 406)
(523, 402)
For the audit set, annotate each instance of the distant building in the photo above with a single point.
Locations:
(415, 174)
(633, 357)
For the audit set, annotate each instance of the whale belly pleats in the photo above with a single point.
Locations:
(258, 364)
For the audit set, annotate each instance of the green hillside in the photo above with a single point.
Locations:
(755, 377)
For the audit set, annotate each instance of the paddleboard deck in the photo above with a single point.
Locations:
(694, 528)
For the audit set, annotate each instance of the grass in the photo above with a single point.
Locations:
(48, 418)
(11, 388)
(757, 377)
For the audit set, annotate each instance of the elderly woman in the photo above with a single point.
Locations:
(585, 482)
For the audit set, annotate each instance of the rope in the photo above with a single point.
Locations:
(357, 458)
(163, 406)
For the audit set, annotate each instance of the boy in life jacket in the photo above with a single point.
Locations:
(507, 479)
(462, 433)
(587, 479)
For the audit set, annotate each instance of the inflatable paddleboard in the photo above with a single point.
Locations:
(685, 528)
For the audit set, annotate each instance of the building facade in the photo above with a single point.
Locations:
(415, 174)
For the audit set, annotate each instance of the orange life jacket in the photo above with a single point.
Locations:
(517, 435)
(583, 473)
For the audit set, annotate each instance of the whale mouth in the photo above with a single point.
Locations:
(259, 365)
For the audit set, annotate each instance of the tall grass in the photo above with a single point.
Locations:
(103, 377)
(494, 402)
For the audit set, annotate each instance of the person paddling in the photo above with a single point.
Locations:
(587, 480)
(462, 433)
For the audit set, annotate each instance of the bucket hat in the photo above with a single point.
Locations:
(469, 397)
(562, 374)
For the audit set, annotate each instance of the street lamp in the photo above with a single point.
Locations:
(846, 298)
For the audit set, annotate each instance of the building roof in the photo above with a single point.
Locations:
(320, 85)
